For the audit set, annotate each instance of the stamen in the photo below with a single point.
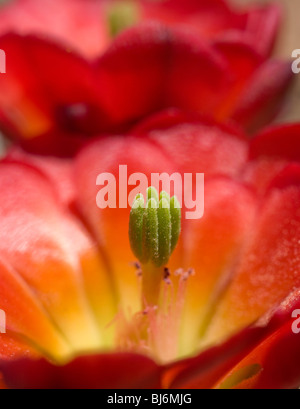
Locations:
(155, 331)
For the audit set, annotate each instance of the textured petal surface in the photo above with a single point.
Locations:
(267, 271)
(211, 247)
(201, 147)
(53, 263)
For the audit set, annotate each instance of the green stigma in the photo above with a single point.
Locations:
(122, 14)
(154, 227)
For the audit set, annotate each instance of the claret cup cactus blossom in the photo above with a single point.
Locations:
(140, 295)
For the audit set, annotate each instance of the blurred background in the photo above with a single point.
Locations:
(289, 40)
(290, 33)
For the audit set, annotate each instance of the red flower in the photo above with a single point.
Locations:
(89, 25)
(160, 98)
(216, 20)
(53, 99)
(79, 24)
(244, 252)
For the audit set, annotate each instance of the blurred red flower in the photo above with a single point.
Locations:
(179, 92)
(52, 98)
(88, 25)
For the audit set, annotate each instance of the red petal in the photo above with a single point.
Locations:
(202, 147)
(91, 372)
(203, 371)
(12, 348)
(242, 61)
(22, 103)
(215, 19)
(259, 173)
(52, 167)
(263, 26)
(263, 95)
(274, 364)
(208, 369)
(78, 24)
(153, 67)
(270, 152)
(35, 102)
(289, 176)
(150, 66)
(207, 19)
(170, 117)
(280, 142)
(131, 73)
(197, 77)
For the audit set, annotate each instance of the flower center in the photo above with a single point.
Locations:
(79, 118)
(155, 330)
(154, 230)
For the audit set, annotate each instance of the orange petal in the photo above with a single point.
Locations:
(211, 247)
(268, 269)
(48, 250)
(26, 317)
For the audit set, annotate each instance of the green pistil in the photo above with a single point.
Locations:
(154, 230)
(121, 15)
